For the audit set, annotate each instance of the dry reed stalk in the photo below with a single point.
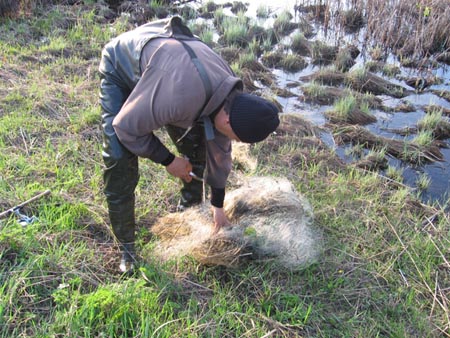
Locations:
(355, 116)
(374, 84)
(327, 77)
(408, 28)
(324, 95)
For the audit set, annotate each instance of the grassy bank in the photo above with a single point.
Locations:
(384, 272)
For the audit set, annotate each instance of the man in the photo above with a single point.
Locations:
(160, 75)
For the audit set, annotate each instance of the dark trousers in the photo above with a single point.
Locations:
(121, 175)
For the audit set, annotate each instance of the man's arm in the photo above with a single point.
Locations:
(179, 167)
(220, 219)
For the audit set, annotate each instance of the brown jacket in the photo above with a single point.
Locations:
(170, 91)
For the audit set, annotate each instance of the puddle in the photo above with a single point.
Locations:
(439, 172)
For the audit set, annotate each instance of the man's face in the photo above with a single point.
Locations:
(222, 124)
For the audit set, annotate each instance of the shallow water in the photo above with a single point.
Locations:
(439, 172)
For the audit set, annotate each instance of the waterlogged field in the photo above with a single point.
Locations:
(383, 268)
(396, 114)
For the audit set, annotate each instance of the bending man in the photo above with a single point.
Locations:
(161, 75)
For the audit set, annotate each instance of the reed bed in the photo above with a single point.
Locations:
(408, 28)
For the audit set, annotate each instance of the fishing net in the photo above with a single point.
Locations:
(271, 221)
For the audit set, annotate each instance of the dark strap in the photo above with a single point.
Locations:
(201, 70)
(209, 131)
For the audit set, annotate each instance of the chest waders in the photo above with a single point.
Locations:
(121, 173)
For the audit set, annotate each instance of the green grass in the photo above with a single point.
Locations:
(424, 138)
(282, 21)
(235, 30)
(383, 272)
(263, 11)
(423, 182)
(292, 63)
(430, 121)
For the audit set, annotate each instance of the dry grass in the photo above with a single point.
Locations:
(407, 151)
(408, 27)
(431, 108)
(366, 82)
(445, 94)
(355, 116)
(326, 76)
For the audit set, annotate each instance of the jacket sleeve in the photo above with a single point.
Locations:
(135, 122)
(218, 160)
(155, 102)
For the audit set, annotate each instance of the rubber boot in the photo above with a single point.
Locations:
(123, 225)
(128, 259)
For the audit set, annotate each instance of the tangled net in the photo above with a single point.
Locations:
(271, 221)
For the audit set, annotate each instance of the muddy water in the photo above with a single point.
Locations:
(438, 172)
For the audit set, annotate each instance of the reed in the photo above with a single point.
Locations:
(412, 30)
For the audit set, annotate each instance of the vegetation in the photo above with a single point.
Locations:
(263, 11)
(384, 270)
(349, 110)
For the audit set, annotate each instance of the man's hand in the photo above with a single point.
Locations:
(180, 167)
(220, 219)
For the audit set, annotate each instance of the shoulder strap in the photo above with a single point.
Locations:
(209, 131)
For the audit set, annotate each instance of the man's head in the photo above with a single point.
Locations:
(247, 118)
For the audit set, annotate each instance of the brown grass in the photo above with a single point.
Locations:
(328, 77)
(440, 132)
(366, 82)
(406, 151)
(445, 94)
(9, 8)
(305, 146)
(323, 54)
(326, 95)
(372, 163)
(431, 108)
(409, 27)
(355, 116)
(344, 60)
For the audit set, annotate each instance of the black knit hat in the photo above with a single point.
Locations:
(253, 118)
